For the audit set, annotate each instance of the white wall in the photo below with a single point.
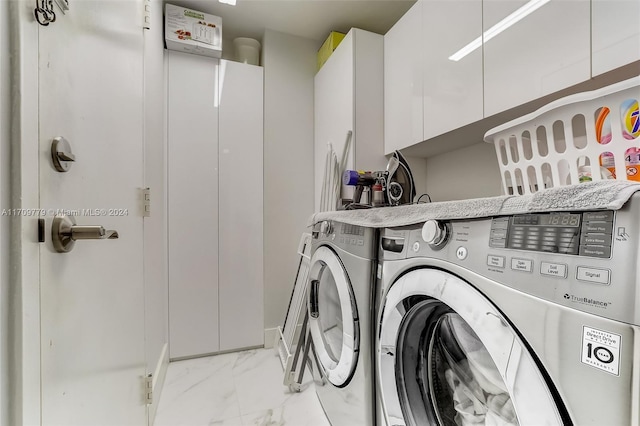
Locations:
(5, 121)
(470, 172)
(155, 226)
(418, 168)
(289, 67)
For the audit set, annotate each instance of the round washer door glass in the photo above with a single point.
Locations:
(448, 357)
(333, 318)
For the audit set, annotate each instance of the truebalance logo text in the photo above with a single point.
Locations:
(586, 301)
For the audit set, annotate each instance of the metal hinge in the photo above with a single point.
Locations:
(146, 16)
(148, 389)
(146, 202)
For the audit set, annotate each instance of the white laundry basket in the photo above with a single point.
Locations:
(587, 136)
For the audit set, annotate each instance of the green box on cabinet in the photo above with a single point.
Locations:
(328, 47)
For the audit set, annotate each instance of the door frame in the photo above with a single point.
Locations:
(24, 278)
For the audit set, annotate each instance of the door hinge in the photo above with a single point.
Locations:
(148, 389)
(146, 202)
(146, 16)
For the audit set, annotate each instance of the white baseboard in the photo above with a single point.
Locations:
(159, 376)
(270, 335)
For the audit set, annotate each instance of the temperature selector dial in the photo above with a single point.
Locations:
(435, 234)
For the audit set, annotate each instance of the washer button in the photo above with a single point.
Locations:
(524, 265)
(553, 269)
(416, 246)
(461, 253)
(593, 275)
(496, 261)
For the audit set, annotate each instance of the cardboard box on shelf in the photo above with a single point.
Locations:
(328, 47)
(191, 31)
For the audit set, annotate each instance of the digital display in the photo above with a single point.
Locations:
(552, 219)
(560, 219)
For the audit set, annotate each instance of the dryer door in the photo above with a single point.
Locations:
(333, 317)
(447, 356)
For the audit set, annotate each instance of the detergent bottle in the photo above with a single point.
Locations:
(630, 116)
(632, 164)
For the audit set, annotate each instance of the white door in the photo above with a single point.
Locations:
(333, 317)
(92, 300)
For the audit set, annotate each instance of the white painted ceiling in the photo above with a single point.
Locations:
(313, 19)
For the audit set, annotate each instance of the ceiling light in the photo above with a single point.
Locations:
(516, 16)
(231, 2)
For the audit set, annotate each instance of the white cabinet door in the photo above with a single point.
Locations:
(403, 81)
(615, 34)
(452, 89)
(544, 52)
(333, 109)
(192, 121)
(240, 208)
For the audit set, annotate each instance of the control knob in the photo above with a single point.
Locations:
(435, 234)
(326, 228)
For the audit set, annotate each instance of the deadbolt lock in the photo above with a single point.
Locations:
(61, 154)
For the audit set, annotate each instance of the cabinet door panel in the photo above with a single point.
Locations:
(241, 206)
(192, 126)
(452, 89)
(333, 109)
(403, 85)
(616, 34)
(544, 52)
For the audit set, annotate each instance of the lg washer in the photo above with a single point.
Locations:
(525, 319)
(341, 282)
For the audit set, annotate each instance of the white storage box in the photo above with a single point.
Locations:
(191, 31)
(587, 136)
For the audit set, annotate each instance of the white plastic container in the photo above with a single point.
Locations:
(557, 144)
(247, 50)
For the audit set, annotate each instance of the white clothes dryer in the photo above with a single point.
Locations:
(341, 293)
(527, 319)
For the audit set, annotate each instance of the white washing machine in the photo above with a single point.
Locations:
(341, 294)
(527, 319)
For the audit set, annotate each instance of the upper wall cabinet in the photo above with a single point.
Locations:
(403, 75)
(546, 51)
(452, 85)
(615, 34)
(427, 94)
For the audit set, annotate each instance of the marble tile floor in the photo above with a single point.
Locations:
(236, 389)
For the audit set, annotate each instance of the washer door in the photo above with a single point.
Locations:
(447, 356)
(333, 317)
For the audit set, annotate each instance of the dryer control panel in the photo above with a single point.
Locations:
(580, 233)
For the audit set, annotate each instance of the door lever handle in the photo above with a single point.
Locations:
(65, 232)
(91, 232)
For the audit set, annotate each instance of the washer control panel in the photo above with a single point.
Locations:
(583, 260)
(582, 234)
